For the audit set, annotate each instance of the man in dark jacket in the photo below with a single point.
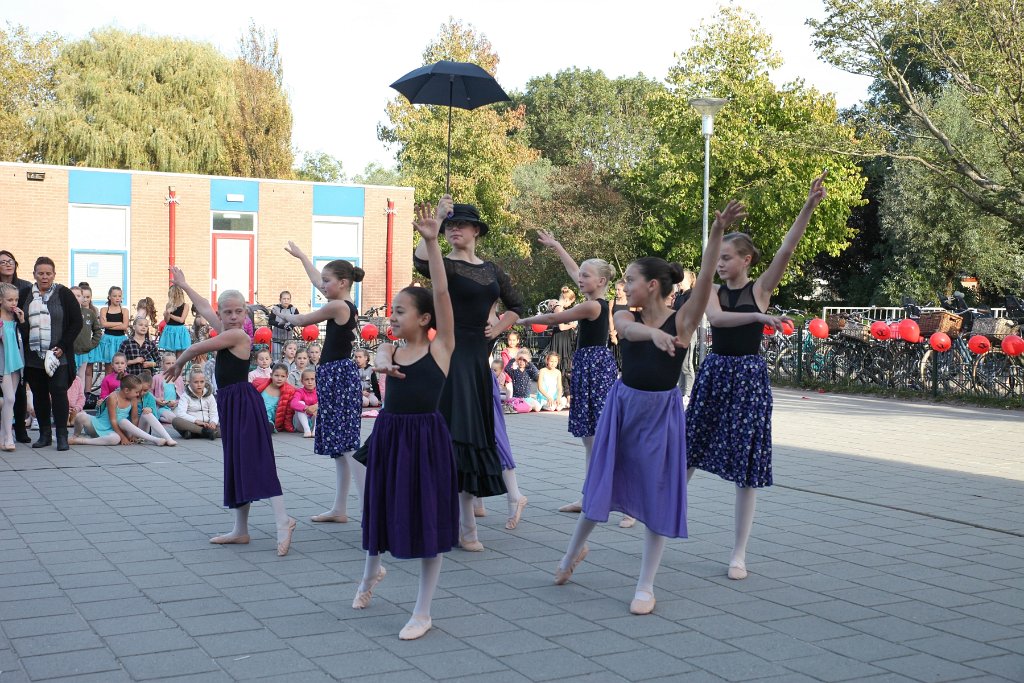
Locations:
(53, 319)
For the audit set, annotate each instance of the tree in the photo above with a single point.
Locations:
(260, 136)
(485, 144)
(759, 153)
(320, 167)
(975, 47)
(132, 101)
(376, 174)
(582, 116)
(27, 76)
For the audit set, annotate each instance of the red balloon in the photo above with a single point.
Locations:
(979, 344)
(909, 331)
(391, 334)
(369, 332)
(880, 330)
(431, 333)
(894, 330)
(818, 328)
(940, 341)
(787, 328)
(1012, 345)
(310, 333)
(768, 330)
(263, 335)
(538, 328)
(161, 326)
(213, 332)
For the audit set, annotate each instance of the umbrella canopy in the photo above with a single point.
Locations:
(455, 84)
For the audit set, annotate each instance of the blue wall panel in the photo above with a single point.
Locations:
(220, 189)
(330, 200)
(100, 187)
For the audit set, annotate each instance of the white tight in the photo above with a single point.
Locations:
(303, 420)
(654, 546)
(83, 426)
(345, 468)
(746, 501)
(135, 432)
(467, 521)
(430, 574)
(512, 485)
(150, 423)
(9, 384)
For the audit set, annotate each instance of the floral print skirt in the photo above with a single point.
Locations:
(729, 420)
(340, 394)
(593, 375)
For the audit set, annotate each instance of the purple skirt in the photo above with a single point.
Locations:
(638, 466)
(411, 499)
(250, 472)
(593, 374)
(500, 435)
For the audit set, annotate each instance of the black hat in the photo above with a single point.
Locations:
(465, 213)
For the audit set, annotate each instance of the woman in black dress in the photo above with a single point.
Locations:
(467, 401)
(619, 303)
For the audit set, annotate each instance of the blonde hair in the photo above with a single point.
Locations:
(744, 246)
(602, 268)
(6, 287)
(228, 295)
(176, 295)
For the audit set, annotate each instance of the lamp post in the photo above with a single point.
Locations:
(707, 107)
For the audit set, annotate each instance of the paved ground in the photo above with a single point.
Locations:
(890, 550)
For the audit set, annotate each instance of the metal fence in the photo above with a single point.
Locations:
(887, 312)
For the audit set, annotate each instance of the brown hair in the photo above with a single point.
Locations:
(654, 268)
(744, 246)
(131, 382)
(343, 270)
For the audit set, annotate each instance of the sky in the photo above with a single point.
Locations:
(340, 56)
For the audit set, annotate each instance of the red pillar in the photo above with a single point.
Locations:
(388, 289)
(172, 207)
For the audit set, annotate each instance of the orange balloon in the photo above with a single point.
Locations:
(538, 328)
(1012, 345)
(909, 331)
(818, 328)
(880, 330)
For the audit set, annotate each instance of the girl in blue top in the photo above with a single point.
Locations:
(123, 405)
(12, 359)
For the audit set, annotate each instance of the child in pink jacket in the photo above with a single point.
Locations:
(167, 394)
(305, 404)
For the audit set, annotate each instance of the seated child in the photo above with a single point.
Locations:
(76, 400)
(149, 412)
(504, 381)
(305, 404)
(277, 395)
(301, 363)
(521, 370)
(314, 350)
(115, 421)
(371, 388)
(196, 412)
(549, 385)
(288, 352)
(166, 393)
(262, 365)
(112, 382)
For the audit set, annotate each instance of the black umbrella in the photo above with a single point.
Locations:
(456, 84)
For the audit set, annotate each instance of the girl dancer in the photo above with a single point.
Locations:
(116, 421)
(175, 337)
(12, 359)
(638, 466)
(729, 426)
(337, 380)
(593, 364)
(115, 325)
(250, 472)
(468, 400)
(411, 506)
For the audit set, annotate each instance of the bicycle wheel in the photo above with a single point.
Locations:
(785, 364)
(994, 373)
(906, 368)
(955, 376)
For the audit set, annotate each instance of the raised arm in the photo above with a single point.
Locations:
(571, 267)
(421, 249)
(771, 277)
(336, 310)
(311, 271)
(428, 225)
(588, 310)
(198, 300)
(689, 316)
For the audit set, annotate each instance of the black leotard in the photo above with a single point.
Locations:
(648, 368)
(179, 312)
(339, 338)
(114, 318)
(230, 369)
(744, 340)
(419, 392)
(594, 332)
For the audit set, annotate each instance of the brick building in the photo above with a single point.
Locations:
(112, 228)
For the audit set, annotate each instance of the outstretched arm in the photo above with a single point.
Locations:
(548, 240)
(428, 226)
(421, 248)
(771, 277)
(336, 310)
(311, 271)
(235, 339)
(198, 300)
(689, 316)
(588, 310)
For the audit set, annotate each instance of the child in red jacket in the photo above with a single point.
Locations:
(277, 396)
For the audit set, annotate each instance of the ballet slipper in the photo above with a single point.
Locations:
(737, 572)
(562, 576)
(640, 606)
(416, 628)
(572, 507)
(283, 546)
(307, 435)
(480, 511)
(513, 521)
(328, 517)
(627, 522)
(471, 546)
(227, 539)
(170, 442)
(362, 599)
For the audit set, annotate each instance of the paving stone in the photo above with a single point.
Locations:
(643, 663)
(737, 666)
(551, 664)
(828, 666)
(923, 667)
(73, 663)
(148, 642)
(168, 664)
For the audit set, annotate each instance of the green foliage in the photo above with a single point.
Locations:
(27, 79)
(376, 174)
(582, 116)
(761, 150)
(485, 144)
(320, 167)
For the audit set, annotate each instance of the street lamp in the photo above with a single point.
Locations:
(707, 107)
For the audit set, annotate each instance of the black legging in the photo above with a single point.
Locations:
(49, 397)
(20, 409)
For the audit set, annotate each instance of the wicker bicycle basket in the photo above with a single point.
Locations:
(836, 322)
(995, 328)
(857, 331)
(940, 321)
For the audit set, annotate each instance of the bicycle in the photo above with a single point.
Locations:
(1000, 374)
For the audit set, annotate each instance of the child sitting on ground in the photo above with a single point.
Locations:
(305, 404)
(521, 370)
(196, 412)
(371, 388)
(166, 393)
(549, 385)
(301, 363)
(504, 381)
(314, 350)
(115, 421)
(150, 419)
(288, 354)
(277, 395)
(262, 365)
(112, 382)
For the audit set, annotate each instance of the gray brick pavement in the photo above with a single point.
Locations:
(889, 550)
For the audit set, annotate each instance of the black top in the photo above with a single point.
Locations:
(419, 392)
(339, 338)
(681, 299)
(594, 332)
(619, 307)
(744, 340)
(179, 311)
(114, 318)
(474, 288)
(648, 368)
(230, 369)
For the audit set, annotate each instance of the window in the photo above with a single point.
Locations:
(233, 221)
